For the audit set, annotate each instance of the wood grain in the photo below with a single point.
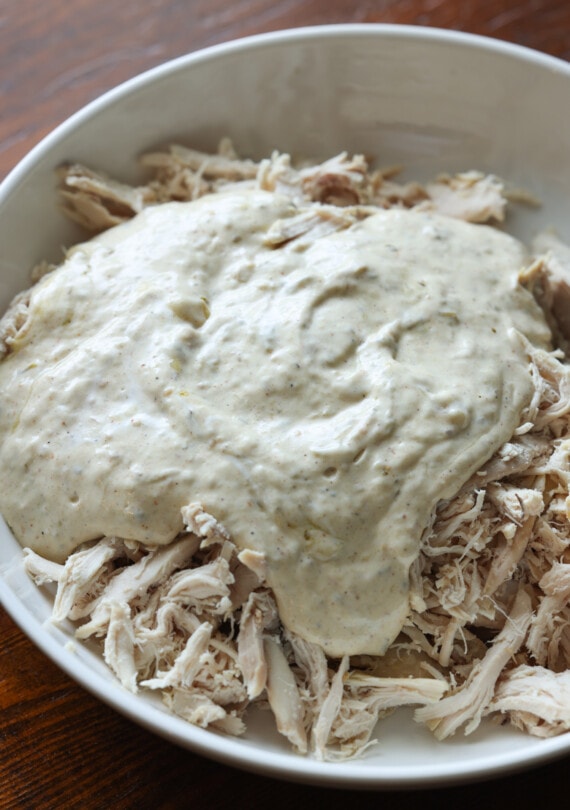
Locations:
(60, 747)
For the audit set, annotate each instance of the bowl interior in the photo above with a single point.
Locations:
(429, 100)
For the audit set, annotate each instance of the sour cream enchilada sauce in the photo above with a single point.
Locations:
(318, 398)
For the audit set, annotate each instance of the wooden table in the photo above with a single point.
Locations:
(60, 747)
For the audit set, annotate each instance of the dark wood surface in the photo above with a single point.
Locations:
(60, 747)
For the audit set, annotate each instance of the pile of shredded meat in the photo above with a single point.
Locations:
(489, 628)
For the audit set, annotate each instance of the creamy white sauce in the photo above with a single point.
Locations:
(318, 399)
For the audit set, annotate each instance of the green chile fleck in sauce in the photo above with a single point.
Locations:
(318, 399)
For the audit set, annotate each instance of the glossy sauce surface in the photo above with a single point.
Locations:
(317, 398)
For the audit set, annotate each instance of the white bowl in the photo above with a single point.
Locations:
(430, 99)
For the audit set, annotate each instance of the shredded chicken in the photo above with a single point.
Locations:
(472, 196)
(98, 202)
(13, 322)
(549, 277)
(489, 628)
